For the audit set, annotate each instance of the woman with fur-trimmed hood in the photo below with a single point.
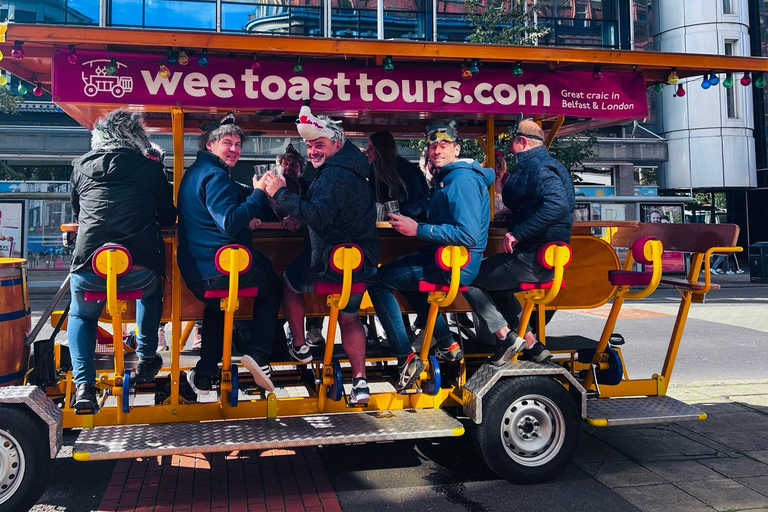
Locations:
(119, 195)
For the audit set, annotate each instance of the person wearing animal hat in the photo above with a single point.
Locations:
(458, 214)
(215, 211)
(117, 173)
(539, 194)
(338, 208)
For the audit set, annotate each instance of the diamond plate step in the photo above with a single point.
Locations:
(611, 412)
(131, 441)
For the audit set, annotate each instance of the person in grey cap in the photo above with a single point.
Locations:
(539, 193)
(459, 214)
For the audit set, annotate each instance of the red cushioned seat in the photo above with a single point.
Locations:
(335, 288)
(126, 295)
(434, 287)
(539, 286)
(629, 278)
(249, 291)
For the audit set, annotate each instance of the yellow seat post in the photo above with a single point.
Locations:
(232, 260)
(346, 259)
(116, 261)
(557, 256)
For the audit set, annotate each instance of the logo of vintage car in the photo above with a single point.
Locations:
(97, 80)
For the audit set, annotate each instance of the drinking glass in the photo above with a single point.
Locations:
(259, 171)
(392, 207)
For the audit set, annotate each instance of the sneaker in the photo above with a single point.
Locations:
(315, 337)
(730, 272)
(450, 354)
(409, 372)
(258, 365)
(85, 399)
(538, 353)
(146, 370)
(719, 271)
(713, 271)
(301, 354)
(740, 271)
(200, 384)
(506, 348)
(360, 393)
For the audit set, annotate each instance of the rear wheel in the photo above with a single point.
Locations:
(530, 429)
(25, 462)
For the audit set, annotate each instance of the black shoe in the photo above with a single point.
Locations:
(258, 365)
(409, 372)
(506, 348)
(464, 320)
(538, 353)
(85, 399)
(200, 384)
(146, 370)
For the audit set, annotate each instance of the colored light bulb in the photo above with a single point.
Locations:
(680, 91)
(3, 79)
(728, 82)
(474, 66)
(164, 71)
(466, 74)
(112, 67)
(388, 66)
(597, 72)
(72, 58)
(745, 80)
(713, 78)
(673, 78)
(1, 55)
(705, 83)
(21, 89)
(255, 64)
(17, 52)
(518, 69)
(760, 81)
(171, 56)
(298, 68)
(657, 87)
(38, 90)
(202, 60)
(183, 57)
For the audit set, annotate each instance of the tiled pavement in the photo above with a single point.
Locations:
(269, 480)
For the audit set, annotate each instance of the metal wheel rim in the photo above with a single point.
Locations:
(532, 430)
(12, 466)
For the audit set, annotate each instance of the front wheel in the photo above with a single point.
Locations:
(530, 429)
(25, 462)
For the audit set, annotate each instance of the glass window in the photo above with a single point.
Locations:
(295, 17)
(727, 7)
(83, 12)
(355, 19)
(188, 14)
(730, 92)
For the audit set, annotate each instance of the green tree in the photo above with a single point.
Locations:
(9, 103)
(503, 22)
(571, 151)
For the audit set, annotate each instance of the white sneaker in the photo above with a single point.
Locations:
(740, 271)
(713, 271)
(315, 337)
(360, 393)
(730, 272)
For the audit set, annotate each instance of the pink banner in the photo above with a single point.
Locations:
(231, 83)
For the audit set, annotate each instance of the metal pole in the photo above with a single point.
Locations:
(380, 19)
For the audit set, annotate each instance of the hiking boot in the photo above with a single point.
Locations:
(85, 399)
(360, 393)
(538, 353)
(315, 337)
(506, 348)
(147, 370)
(301, 354)
(450, 354)
(258, 365)
(409, 372)
(200, 384)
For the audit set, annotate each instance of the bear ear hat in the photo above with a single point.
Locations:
(309, 126)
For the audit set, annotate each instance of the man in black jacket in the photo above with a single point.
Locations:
(339, 208)
(119, 196)
(539, 193)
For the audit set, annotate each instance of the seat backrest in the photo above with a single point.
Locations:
(337, 257)
(545, 256)
(238, 258)
(121, 258)
(642, 251)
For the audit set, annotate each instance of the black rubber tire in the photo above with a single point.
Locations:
(560, 411)
(32, 439)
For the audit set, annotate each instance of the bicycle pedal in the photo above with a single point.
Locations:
(412, 391)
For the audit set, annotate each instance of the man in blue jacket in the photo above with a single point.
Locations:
(539, 193)
(338, 208)
(459, 214)
(215, 211)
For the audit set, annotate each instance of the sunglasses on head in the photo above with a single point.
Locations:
(440, 134)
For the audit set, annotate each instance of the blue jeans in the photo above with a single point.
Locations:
(266, 307)
(404, 275)
(84, 317)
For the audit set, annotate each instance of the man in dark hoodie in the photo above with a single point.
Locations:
(539, 194)
(339, 208)
(215, 211)
(118, 196)
(459, 214)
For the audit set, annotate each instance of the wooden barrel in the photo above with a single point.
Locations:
(15, 321)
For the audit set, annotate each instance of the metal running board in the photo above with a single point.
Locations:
(611, 412)
(131, 441)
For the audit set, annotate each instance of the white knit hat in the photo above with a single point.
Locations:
(311, 127)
